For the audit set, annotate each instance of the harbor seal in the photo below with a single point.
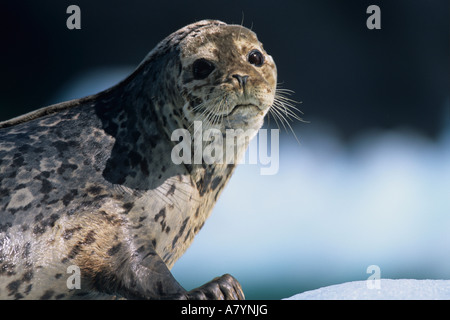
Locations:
(90, 183)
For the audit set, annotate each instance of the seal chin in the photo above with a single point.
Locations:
(244, 116)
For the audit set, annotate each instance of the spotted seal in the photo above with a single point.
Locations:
(91, 182)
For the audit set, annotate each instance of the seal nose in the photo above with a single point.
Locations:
(242, 80)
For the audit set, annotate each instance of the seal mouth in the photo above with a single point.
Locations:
(242, 107)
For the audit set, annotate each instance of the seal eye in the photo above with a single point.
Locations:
(256, 58)
(202, 68)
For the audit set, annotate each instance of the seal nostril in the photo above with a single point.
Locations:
(242, 80)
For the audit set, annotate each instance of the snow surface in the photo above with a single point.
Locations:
(402, 289)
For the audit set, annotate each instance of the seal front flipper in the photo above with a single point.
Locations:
(225, 287)
(149, 278)
(146, 277)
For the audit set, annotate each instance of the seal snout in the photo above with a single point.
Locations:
(242, 80)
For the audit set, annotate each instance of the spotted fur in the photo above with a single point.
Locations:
(91, 183)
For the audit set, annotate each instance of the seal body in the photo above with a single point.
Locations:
(91, 183)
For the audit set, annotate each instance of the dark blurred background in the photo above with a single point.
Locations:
(341, 71)
(360, 193)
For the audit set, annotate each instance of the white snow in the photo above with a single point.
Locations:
(401, 289)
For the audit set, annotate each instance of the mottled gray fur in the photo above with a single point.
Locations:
(91, 183)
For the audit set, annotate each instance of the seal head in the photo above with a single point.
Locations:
(227, 79)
